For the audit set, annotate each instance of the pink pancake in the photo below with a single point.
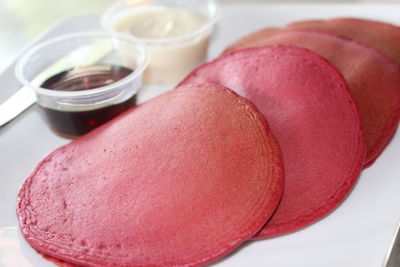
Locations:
(383, 36)
(373, 78)
(252, 37)
(181, 180)
(313, 117)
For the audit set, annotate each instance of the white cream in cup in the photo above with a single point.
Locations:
(176, 33)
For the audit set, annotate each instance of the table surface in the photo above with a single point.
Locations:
(358, 233)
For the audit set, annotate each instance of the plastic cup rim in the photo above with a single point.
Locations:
(98, 34)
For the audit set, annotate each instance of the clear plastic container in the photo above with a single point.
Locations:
(171, 57)
(83, 79)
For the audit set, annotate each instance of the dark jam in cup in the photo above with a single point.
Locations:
(72, 124)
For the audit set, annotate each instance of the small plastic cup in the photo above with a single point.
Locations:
(110, 66)
(171, 58)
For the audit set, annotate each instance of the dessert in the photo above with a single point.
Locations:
(313, 118)
(373, 79)
(181, 180)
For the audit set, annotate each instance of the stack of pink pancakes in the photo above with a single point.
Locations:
(266, 139)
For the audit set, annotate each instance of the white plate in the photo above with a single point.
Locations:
(358, 233)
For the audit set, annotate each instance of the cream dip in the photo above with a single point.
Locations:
(160, 22)
(177, 38)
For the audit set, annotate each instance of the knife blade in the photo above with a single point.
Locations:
(16, 104)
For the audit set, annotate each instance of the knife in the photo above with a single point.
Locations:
(16, 104)
(25, 97)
